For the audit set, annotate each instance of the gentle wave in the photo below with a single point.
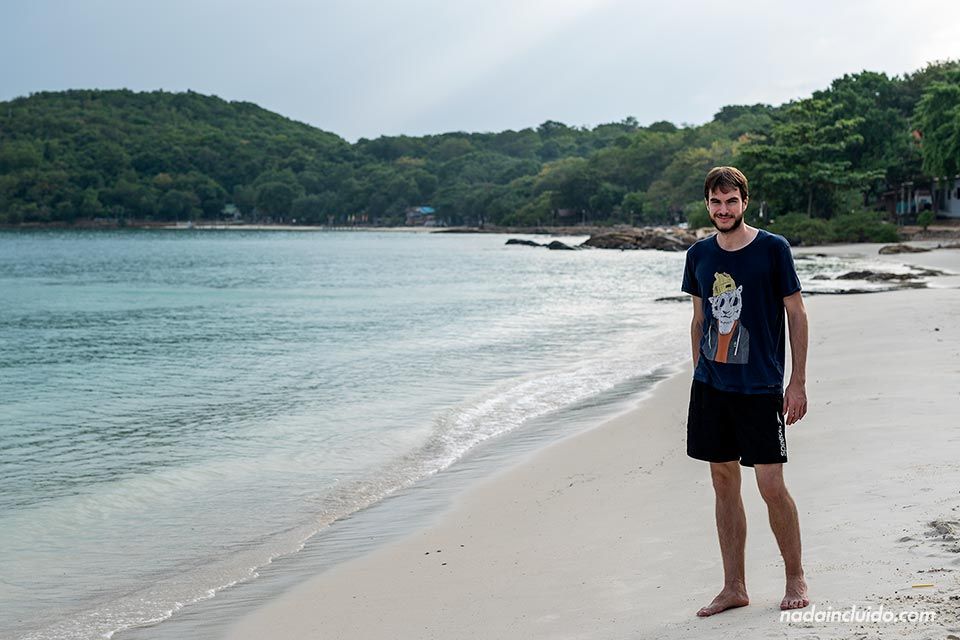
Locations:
(203, 405)
(455, 432)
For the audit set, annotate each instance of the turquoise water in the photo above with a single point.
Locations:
(180, 407)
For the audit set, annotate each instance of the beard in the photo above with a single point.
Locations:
(736, 225)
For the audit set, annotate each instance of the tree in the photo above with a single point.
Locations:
(663, 126)
(638, 164)
(209, 194)
(937, 117)
(314, 208)
(806, 159)
(452, 148)
(553, 129)
(518, 144)
(89, 205)
(632, 206)
(118, 153)
(606, 199)
(883, 124)
(275, 198)
(571, 182)
(536, 212)
(133, 198)
(179, 204)
(18, 156)
(245, 198)
(681, 182)
(697, 215)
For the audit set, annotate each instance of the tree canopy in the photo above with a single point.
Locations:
(938, 121)
(166, 156)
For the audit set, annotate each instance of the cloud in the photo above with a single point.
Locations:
(432, 68)
(367, 67)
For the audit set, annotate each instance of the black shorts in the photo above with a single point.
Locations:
(726, 427)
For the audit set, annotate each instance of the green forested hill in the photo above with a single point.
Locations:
(110, 153)
(163, 156)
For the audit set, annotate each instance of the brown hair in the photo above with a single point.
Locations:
(726, 179)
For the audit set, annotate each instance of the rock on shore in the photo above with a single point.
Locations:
(892, 249)
(663, 239)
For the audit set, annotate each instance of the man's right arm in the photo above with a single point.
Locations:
(696, 329)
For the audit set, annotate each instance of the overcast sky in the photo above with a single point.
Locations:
(363, 68)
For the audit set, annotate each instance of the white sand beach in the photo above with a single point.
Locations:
(610, 533)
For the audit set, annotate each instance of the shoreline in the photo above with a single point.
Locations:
(609, 532)
(396, 515)
(497, 395)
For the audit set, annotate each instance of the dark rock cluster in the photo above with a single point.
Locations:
(892, 249)
(662, 239)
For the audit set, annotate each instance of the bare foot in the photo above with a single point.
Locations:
(730, 598)
(796, 596)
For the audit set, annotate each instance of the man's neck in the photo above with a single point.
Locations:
(735, 240)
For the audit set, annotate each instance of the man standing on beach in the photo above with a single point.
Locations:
(742, 279)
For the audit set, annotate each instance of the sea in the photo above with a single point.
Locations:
(191, 418)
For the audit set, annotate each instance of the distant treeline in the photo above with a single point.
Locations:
(162, 156)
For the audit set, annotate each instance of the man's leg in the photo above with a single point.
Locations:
(732, 531)
(786, 527)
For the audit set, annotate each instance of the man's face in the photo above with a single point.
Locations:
(726, 209)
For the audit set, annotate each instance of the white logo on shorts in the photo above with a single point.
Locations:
(783, 442)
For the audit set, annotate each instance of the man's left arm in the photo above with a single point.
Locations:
(795, 395)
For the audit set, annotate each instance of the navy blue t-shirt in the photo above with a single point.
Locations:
(742, 292)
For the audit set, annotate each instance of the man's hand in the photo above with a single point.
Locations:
(794, 402)
(795, 396)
